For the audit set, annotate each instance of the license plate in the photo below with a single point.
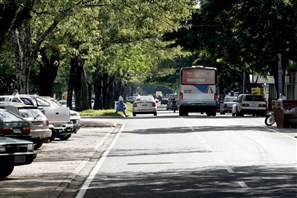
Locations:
(19, 159)
(254, 105)
(17, 131)
(144, 105)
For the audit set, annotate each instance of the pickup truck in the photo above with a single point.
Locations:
(58, 117)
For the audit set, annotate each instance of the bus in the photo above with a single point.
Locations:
(197, 90)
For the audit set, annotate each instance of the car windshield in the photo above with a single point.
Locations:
(42, 102)
(145, 98)
(31, 113)
(8, 117)
(254, 98)
(230, 99)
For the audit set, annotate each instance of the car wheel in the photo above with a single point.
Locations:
(6, 167)
(134, 114)
(233, 114)
(155, 114)
(37, 144)
(64, 137)
(54, 133)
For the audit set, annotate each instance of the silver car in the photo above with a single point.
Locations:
(226, 105)
(144, 105)
(39, 124)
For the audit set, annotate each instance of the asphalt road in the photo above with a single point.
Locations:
(196, 156)
(163, 156)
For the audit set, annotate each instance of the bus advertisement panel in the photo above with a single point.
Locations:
(197, 90)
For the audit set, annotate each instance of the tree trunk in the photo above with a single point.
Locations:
(78, 84)
(48, 72)
(23, 57)
(97, 90)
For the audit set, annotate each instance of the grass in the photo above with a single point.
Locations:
(107, 112)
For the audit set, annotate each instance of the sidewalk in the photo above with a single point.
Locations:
(96, 122)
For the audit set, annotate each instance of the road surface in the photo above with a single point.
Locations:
(196, 156)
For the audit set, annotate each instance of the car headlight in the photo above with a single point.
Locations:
(30, 147)
(2, 149)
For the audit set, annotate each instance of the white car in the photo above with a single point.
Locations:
(249, 104)
(144, 105)
(74, 115)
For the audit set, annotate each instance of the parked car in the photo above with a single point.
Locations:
(14, 126)
(59, 117)
(144, 105)
(250, 104)
(226, 105)
(39, 124)
(74, 115)
(14, 152)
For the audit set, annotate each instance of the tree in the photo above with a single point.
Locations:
(242, 37)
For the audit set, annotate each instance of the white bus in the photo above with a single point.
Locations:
(197, 90)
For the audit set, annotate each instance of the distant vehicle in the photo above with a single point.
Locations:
(39, 124)
(144, 105)
(169, 103)
(164, 101)
(226, 105)
(130, 99)
(197, 90)
(14, 126)
(14, 152)
(253, 104)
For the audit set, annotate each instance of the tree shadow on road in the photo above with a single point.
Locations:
(248, 181)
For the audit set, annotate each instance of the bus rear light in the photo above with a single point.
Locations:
(181, 96)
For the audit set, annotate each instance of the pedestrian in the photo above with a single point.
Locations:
(120, 106)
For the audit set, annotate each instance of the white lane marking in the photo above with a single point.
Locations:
(95, 170)
(230, 170)
(242, 184)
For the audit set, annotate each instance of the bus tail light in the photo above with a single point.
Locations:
(216, 96)
(181, 96)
